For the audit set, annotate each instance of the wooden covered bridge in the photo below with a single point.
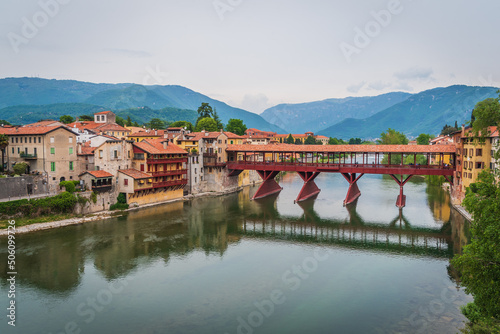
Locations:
(352, 161)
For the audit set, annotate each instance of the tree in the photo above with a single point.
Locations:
(486, 113)
(120, 121)
(479, 263)
(207, 124)
(218, 121)
(182, 124)
(236, 126)
(128, 122)
(66, 119)
(4, 142)
(4, 122)
(289, 139)
(392, 137)
(423, 139)
(204, 111)
(310, 140)
(87, 118)
(157, 124)
(355, 141)
(20, 168)
(298, 141)
(448, 129)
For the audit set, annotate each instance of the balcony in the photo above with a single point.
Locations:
(167, 160)
(170, 172)
(101, 189)
(28, 156)
(164, 184)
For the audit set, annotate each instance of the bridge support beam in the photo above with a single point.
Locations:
(309, 189)
(235, 172)
(353, 192)
(269, 186)
(401, 201)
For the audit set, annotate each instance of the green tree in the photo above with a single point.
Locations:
(217, 120)
(20, 168)
(204, 111)
(236, 126)
(4, 142)
(156, 123)
(86, 118)
(355, 141)
(66, 119)
(392, 137)
(182, 124)
(423, 139)
(310, 140)
(479, 263)
(289, 139)
(128, 122)
(298, 141)
(120, 121)
(486, 113)
(207, 124)
(448, 129)
(4, 122)
(333, 141)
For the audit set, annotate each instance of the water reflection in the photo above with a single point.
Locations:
(53, 261)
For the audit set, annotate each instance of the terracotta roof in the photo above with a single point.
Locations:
(155, 146)
(112, 127)
(231, 135)
(98, 173)
(145, 134)
(343, 148)
(134, 173)
(87, 150)
(175, 128)
(31, 130)
(103, 112)
(48, 122)
(135, 129)
(322, 137)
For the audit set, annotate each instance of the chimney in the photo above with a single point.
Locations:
(463, 130)
(156, 132)
(77, 118)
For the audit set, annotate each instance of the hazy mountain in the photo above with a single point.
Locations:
(115, 97)
(425, 112)
(319, 115)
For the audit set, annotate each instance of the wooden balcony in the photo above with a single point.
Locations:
(167, 161)
(28, 156)
(170, 172)
(103, 188)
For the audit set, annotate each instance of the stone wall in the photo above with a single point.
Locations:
(20, 186)
(104, 201)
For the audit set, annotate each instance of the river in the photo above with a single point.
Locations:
(232, 265)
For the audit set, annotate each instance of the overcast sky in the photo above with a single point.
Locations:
(255, 54)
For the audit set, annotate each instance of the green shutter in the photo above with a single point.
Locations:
(52, 166)
(52, 150)
(71, 150)
(71, 165)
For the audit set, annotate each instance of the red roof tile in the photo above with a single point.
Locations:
(155, 146)
(31, 130)
(103, 112)
(98, 173)
(134, 173)
(343, 148)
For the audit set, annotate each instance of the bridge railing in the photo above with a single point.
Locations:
(338, 165)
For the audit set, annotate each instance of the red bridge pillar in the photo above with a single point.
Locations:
(309, 189)
(353, 191)
(270, 186)
(401, 201)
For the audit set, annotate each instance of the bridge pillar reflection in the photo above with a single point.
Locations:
(269, 186)
(401, 201)
(353, 192)
(309, 189)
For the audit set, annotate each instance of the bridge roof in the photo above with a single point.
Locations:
(343, 148)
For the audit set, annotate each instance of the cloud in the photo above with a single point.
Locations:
(130, 53)
(403, 86)
(356, 87)
(255, 103)
(415, 73)
(378, 85)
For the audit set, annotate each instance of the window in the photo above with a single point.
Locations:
(142, 167)
(231, 141)
(125, 182)
(471, 152)
(52, 150)
(51, 140)
(25, 140)
(96, 167)
(100, 154)
(195, 179)
(128, 154)
(479, 152)
(52, 166)
(12, 150)
(16, 140)
(30, 140)
(220, 150)
(39, 140)
(12, 138)
(71, 150)
(18, 150)
(195, 171)
(70, 139)
(479, 165)
(220, 141)
(115, 154)
(71, 165)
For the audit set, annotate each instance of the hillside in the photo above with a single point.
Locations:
(425, 112)
(318, 115)
(15, 92)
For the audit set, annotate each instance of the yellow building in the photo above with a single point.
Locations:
(142, 135)
(477, 155)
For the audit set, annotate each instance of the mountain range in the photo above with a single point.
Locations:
(27, 100)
